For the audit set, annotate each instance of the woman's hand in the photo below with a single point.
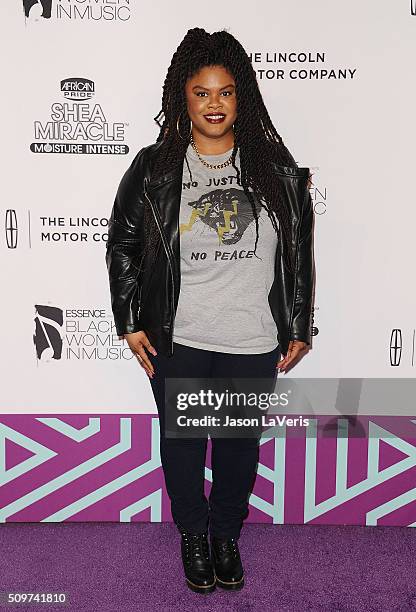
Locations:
(138, 342)
(295, 352)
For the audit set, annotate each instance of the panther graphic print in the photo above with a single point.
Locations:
(228, 212)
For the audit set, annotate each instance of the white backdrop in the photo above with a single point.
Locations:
(343, 103)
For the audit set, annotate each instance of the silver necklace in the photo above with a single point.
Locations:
(212, 166)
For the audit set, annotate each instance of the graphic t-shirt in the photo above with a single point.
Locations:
(223, 300)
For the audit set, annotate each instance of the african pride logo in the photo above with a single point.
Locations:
(77, 88)
(77, 127)
(227, 211)
(76, 10)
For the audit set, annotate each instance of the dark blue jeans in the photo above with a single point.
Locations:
(233, 460)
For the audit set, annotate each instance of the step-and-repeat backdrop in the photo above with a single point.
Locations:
(82, 84)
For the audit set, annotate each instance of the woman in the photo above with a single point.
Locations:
(210, 263)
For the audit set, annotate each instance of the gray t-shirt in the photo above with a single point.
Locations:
(223, 300)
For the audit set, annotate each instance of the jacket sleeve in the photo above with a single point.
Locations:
(304, 276)
(124, 249)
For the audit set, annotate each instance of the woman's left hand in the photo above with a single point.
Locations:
(295, 352)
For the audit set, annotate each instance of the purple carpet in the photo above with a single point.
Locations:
(137, 567)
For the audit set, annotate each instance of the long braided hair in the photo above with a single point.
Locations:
(254, 133)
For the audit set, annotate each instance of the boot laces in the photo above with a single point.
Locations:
(228, 546)
(196, 545)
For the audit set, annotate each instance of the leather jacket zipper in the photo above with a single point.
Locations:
(296, 264)
(170, 263)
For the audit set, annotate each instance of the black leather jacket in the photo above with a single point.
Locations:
(144, 294)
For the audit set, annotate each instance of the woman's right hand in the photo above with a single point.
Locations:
(138, 342)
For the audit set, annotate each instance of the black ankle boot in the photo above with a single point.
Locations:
(227, 563)
(196, 561)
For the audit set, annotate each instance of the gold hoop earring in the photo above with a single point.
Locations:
(177, 127)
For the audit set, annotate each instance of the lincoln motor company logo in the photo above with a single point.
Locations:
(78, 124)
(396, 345)
(11, 228)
